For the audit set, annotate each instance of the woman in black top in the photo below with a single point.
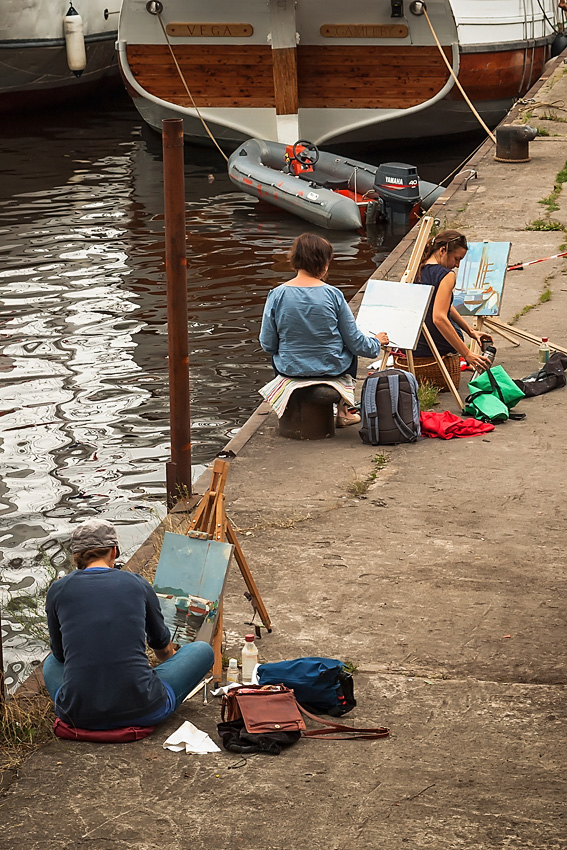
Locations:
(443, 254)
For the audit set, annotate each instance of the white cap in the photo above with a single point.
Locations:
(232, 664)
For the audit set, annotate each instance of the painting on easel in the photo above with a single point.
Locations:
(480, 279)
(397, 308)
(189, 582)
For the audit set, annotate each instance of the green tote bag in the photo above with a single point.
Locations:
(493, 394)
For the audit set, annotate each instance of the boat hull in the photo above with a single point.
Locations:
(34, 67)
(338, 83)
(37, 76)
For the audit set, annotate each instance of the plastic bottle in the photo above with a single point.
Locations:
(543, 352)
(249, 658)
(232, 672)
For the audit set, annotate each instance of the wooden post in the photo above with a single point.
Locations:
(505, 334)
(179, 485)
(284, 59)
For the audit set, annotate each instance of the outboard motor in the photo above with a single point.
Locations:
(397, 186)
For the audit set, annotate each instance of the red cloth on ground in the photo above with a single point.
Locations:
(446, 425)
(107, 736)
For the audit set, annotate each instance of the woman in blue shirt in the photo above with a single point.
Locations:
(307, 326)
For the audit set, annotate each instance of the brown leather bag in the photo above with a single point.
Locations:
(273, 708)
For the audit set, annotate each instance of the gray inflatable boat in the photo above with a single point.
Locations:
(329, 190)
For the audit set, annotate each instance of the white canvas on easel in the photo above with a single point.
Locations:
(396, 308)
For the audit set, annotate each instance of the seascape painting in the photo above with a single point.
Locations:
(189, 582)
(480, 279)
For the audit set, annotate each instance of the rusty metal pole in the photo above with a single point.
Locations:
(178, 471)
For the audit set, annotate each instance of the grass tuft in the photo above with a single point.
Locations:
(544, 297)
(551, 201)
(25, 725)
(427, 394)
(275, 522)
(544, 224)
(359, 485)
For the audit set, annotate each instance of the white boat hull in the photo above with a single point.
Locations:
(338, 83)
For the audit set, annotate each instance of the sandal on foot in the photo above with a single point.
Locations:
(344, 421)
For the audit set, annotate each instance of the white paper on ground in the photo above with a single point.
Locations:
(190, 739)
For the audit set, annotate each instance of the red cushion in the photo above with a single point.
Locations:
(108, 736)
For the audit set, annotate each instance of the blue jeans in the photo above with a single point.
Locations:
(182, 672)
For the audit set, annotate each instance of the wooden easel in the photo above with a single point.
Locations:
(408, 276)
(516, 335)
(210, 519)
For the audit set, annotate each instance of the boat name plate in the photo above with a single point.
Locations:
(216, 30)
(364, 31)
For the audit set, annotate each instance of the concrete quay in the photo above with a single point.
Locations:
(444, 582)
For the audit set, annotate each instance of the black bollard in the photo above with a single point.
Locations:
(512, 142)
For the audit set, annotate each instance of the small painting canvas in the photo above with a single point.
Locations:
(397, 308)
(189, 582)
(480, 279)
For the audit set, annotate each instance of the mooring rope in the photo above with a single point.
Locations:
(457, 83)
(536, 104)
(180, 72)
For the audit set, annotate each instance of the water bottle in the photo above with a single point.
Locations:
(232, 672)
(489, 352)
(249, 658)
(543, 351)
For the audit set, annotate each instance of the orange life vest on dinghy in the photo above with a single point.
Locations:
(296, 167)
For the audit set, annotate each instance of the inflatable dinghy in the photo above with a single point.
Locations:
(329, 190)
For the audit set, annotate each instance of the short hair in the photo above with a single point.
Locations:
(310, 253)
(83, 559)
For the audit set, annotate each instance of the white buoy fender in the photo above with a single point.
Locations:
(75, 41)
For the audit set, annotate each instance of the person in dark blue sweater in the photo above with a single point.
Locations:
(98, 674)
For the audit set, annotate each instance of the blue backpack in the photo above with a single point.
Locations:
(389, 408)
(320, 684)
